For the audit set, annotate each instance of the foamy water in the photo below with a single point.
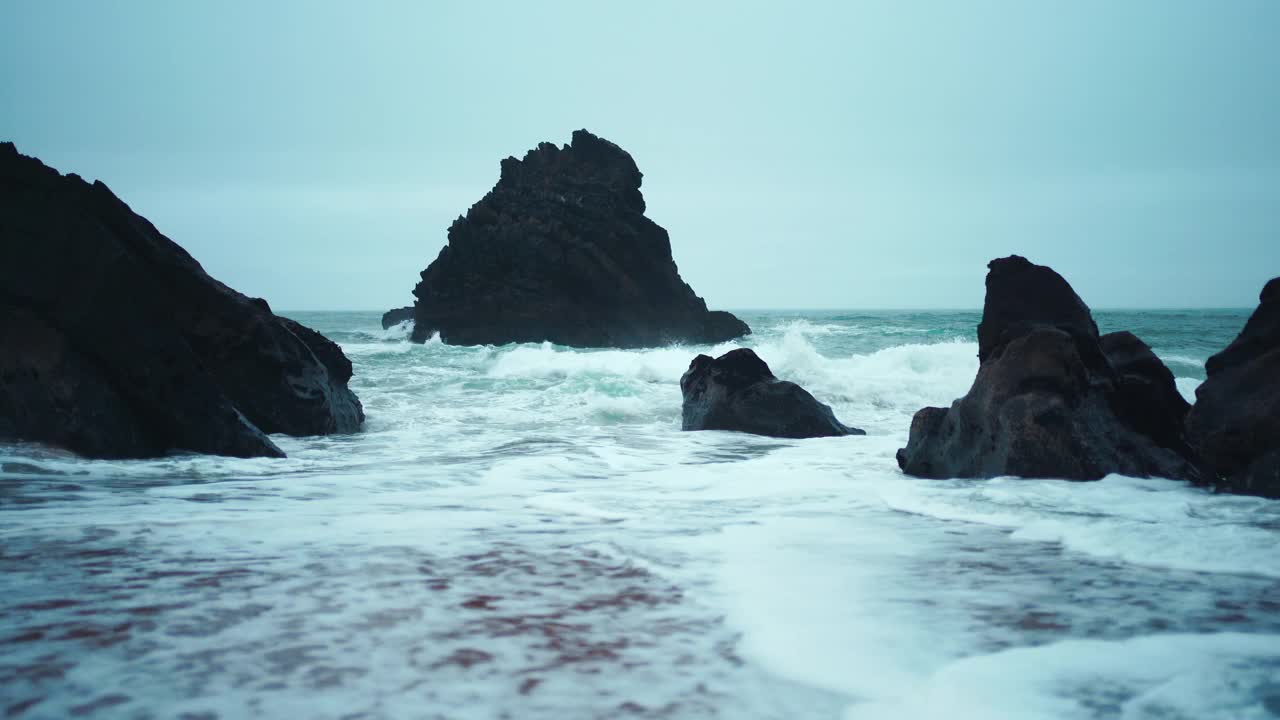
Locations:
(524, 532)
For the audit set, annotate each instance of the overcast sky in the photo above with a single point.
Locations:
(802, 155)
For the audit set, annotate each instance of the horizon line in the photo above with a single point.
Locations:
(1114, 308)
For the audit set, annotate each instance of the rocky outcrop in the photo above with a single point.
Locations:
(737, 391)
(1235, 422)
(560, 250)
(391, 318)
(1047, 402)
(1146, 397)
(116, 343)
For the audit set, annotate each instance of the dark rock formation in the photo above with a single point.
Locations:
(1146, 398)
(391, 318)
(114, 342)
(561, 250)
(1023, 296)
(1235, 422)
(737, 391)
(1047, 402)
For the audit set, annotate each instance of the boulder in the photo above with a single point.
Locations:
(737, 391)
(116, 343)
(1235, 422)
(560, 250)
(1046, 402)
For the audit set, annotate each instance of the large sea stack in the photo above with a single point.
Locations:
(1235, 423)
(737, 391)
(561, 250)
(114, 342)
(1052, 399)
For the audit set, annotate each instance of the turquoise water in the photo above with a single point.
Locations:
(524, 532)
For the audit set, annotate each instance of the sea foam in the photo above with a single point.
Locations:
(524, 529)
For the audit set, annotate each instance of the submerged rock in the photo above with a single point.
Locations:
(1047, 402)
(737, 391)
(560, 250)
(1235, 422)
(116, 343)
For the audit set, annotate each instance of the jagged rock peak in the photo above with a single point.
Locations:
(588, 162)
(560, 250)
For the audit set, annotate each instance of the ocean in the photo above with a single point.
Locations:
(525, 532)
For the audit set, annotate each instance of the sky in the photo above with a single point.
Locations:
(801, 155)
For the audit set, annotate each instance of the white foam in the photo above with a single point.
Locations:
(378, 348)
(663, 365)
(565, 504)
(1154, 522)
(400, 331)
(1184, 359)
(1187, 387)
(1174, 676)
(810, 328)
(810, 597)
(747, 577)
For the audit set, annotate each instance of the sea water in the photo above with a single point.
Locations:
(524, 532)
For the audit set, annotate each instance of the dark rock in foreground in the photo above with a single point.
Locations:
(737, 391)
(1047, 402)
(1235, 422)
(561, 250)
(116, 343)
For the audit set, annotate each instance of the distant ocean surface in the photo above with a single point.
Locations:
(525, 532)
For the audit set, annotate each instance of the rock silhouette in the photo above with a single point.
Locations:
(1235, 422)
(560, 250)
(118, 344)
(391, 318)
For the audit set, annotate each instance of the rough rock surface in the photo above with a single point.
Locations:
(737, 391)
(1047, 402)
(1235, 422)
(116, 343)
(1146, 396)
(561, 250)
